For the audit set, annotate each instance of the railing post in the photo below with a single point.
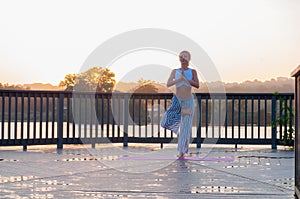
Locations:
(24, 147)
(273, 123)
(126, 114)
(60, 122)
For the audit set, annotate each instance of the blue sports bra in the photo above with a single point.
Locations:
(188, 75)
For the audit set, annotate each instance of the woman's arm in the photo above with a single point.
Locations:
(195, 81)
(172, 81)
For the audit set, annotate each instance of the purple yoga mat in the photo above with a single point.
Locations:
(216, 159)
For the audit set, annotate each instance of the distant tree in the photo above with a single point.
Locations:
(95, 79)
(138, 109)
(145, 86)
(69, 81)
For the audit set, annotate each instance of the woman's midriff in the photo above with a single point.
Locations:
(184, 92)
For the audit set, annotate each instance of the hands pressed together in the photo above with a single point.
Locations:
(184, 78)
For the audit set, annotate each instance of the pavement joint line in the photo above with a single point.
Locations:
(57, 176)
(165, 192)
(265, 157)
(241, 176)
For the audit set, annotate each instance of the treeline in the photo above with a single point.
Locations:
(280, 84)
(13, 86)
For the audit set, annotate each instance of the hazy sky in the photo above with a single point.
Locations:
(42, 41)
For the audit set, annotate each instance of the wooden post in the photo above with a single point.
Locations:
(60, 122)
(296, 74)
(274, 126)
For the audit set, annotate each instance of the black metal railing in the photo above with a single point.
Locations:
(58, 117)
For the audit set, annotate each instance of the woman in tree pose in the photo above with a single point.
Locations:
(184, 78)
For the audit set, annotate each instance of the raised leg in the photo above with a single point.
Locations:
(186, 111)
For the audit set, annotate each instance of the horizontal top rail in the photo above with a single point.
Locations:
(209, 95)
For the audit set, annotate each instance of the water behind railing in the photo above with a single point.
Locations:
(45, 131)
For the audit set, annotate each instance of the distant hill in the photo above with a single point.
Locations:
(280, 84)
(132, 86)
(41, 86)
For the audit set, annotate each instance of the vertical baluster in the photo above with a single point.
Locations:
(3, 115)
(146, 115)
(74, 115)
(53, 116)
(113, 113)
(199, 126)
(85, 115)
(133, 114)
(280, 115)
(285, 113)
(206, 116)
(108, 120)
(213, 116)
(266, 109)
(291, 117)
(16, 118)
(140, 107)
(119, 114)
(34, 115)
(79, 115)
(41, 115)
(252, 117)
(239, 117)
(126, 114)
(220, 116)
(22, 116)
(97, 115)
(258, 117)
(166, 107)
(152, 116)
(47, 116)
(28, 115)
(246, 117)
(24, 143)
(226, 117)
(68, 116)
(93, 122)
(9, 116)
(274, 111)
(172, 134)
(232, 116)
(158, 119)
(91, 118)
(102, 115)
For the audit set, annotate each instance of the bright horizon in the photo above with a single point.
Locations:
(246, 40)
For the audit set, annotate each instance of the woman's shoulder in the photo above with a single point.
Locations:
(194, 72)
(173, 72)
(176, 70)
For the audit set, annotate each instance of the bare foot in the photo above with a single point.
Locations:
(181, 155)
(186, 111)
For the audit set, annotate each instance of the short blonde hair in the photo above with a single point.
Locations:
(185, 51)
